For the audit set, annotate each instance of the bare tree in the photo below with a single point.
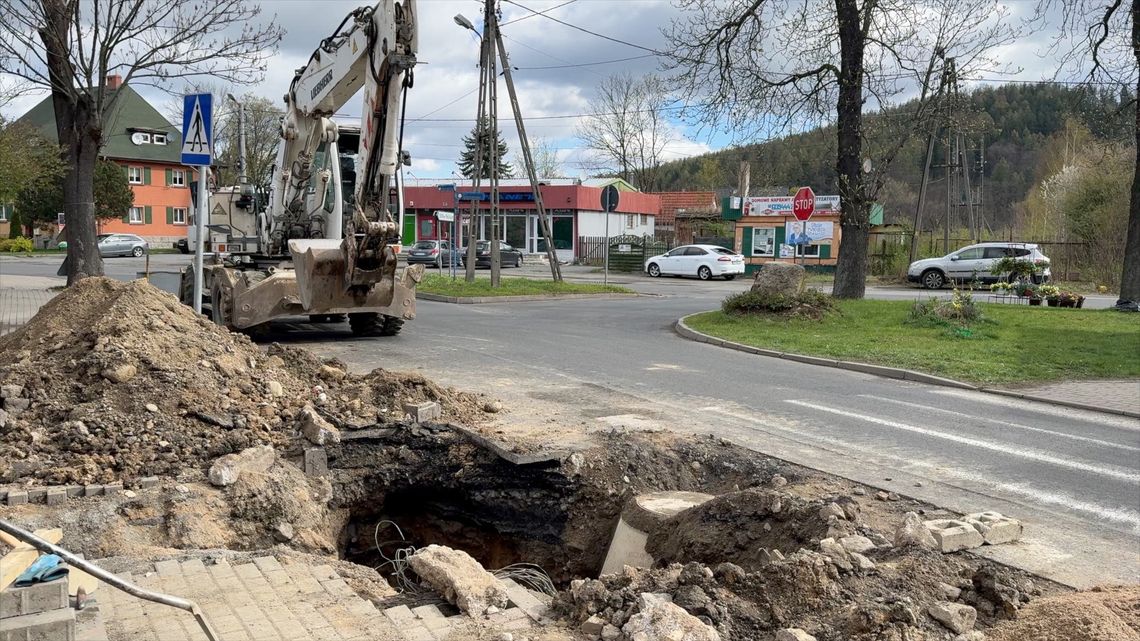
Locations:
(70, 47)
(545, 156)
(1098, 42)
(627, 128)
(766, 67)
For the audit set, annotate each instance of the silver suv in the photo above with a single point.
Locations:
(974, 263)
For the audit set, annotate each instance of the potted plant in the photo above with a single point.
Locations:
(1051, 294)
(1070, 299)
(1001, 288)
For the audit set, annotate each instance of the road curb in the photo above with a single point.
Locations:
(683, 330)
(479, 300)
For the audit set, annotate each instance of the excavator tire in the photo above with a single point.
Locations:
(366, 324)
(392, 325)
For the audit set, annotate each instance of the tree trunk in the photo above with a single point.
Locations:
(1130, 275)
(851, 266)
(80, 134)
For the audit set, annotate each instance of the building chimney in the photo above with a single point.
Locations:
(114, 82)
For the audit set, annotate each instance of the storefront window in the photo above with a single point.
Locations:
(763, 241)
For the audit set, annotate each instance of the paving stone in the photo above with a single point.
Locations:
(324, 573)
(247, 571)
(193, 566)
(953, 535)
(168, 567)
(994, 527)
(33, 599)
(53, 625)
(56, 496)
(17, 497)
(338, 587)
(535, 606)
(267, 564)
(401, 615)
(37, 495)
(92, 490)
(417, 633)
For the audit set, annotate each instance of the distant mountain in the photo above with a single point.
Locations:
(1013, 123)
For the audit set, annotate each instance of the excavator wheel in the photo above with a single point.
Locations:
(366, 324)
(392, 325)
(370, 324)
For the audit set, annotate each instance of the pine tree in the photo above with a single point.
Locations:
(472, 142)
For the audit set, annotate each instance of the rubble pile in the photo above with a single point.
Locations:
(913, 595)
(113, 381)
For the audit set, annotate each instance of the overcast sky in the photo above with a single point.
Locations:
(441, 106)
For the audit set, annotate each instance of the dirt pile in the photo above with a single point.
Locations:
(1105, 614)
(113, 381)
(804, 590)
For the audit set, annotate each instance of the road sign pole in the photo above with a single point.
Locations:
(606, 254)
(200, 232)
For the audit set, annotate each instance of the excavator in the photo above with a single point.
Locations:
(310, 259)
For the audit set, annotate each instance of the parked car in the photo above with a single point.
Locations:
(702, 261)
(508, 256)
(433, 252)
(975, 262)
(122, 245)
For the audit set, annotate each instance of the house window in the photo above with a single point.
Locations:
(4, 213)
(136, 215)
(809, 251)
(630, 220)
(144, 137)
(763, 241)
(644, 219)
(177, 178)
(179, 215)
(159, 139)
(134, 175)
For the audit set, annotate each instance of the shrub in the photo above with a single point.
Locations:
(957, 313)
(810, 303)
(17, 244)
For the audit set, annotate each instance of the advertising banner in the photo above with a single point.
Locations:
(815, 234)
(782, 205)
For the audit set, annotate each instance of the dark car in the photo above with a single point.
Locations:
(509, 256)
(432, 252)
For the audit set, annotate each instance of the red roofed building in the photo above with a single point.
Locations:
(678, 207)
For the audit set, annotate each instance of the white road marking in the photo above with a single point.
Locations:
(942, 473)
(1019, 426)
(1122, 422)
(1032, 455)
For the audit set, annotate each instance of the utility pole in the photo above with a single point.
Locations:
(489, 35)
(477, 165)
(929, 156)
(524, 145)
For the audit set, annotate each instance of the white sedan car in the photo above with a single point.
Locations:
(702, 261)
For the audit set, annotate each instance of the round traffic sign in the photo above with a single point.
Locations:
(803, 205)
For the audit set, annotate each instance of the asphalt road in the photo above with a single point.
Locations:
(1073, 477)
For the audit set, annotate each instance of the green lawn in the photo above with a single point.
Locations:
(1025, 344)
(445, 286)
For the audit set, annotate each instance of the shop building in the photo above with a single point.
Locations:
(767, 231)
(575, 208)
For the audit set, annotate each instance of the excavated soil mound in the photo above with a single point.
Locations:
(1104, 614)
(113, 381)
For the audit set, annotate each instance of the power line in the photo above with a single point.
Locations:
(589, 64)
(537, 13)
(584, 30)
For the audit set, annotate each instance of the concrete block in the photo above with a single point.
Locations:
(74, 491)
(113, 488)
(953, 535)
(56, 495)
(33, 599)
(148, 481)
(957, 618)
(401, 615)
(421, 412)
(37, 495)
(316, 461)
(54, 625)
(994, 527)
(92, 490)
(169, 567)
(17, 497)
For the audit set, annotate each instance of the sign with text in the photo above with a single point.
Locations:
(803, 206)
(782, 205)
(809, 233)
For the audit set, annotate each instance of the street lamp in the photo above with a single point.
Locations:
(464, 22)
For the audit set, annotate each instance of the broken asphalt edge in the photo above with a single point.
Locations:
(683, 330)
(478, 300)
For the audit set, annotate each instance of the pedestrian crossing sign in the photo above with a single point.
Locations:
(197, 129)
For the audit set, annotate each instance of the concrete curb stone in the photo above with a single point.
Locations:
(684, 331)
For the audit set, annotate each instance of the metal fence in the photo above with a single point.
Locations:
(889, 252)
(591, 250)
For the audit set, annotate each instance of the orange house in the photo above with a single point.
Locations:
(148, 148)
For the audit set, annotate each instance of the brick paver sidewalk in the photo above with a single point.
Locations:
(18, 306)
(1122, 395)
(271, 601)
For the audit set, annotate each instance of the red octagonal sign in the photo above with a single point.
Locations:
(803, 206)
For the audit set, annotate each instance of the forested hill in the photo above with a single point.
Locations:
(1019, 125)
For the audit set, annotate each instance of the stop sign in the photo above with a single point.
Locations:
(803, 205)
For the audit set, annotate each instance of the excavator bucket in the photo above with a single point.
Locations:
(322, 275)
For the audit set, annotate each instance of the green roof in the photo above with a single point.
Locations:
(130, 112)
